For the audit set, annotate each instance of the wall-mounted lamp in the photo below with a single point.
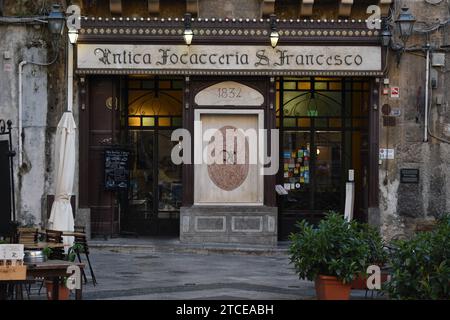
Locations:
(73, 36)
(386, 34)
(188, 33)
(405, 22)
(274, 36)
(56, 20)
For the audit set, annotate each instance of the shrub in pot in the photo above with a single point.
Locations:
(331, 254)
(376, 255)
(421, 266)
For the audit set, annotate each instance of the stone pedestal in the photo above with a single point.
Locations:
(229, 224)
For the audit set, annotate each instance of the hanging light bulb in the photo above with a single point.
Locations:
(188, 33)
(312, 101)
(274, 36)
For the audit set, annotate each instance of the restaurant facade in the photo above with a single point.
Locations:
(314, 97)
(143, 82)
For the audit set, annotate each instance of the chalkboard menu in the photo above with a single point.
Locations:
(116, 169)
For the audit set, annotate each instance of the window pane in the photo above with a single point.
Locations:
(328, 171)
(177, 122)
(289, 122)
(289, 86)
(304, 86)
(134, 122)
(304, 122)
(335, 85)
(164, 122)
(148, 122)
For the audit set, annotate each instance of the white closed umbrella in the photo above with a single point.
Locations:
(61, 217)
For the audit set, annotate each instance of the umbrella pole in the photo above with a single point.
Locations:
(11, 165)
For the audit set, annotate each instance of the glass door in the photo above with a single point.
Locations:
(154, 197)
(322, 123)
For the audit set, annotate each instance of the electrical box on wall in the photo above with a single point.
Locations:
(434, 78)
(438, 59)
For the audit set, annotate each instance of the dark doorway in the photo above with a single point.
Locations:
(323, 126)
(153, 202)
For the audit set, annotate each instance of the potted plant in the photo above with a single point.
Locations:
(47, 252)
(63, 291)
(376, 255)
(421, 265)
(331, 254)
(72, 252)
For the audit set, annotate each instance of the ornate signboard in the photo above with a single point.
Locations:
(256, 59)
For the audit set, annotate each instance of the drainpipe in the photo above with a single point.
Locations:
(427, 88)
(21, 65)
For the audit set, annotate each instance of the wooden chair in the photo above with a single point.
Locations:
(54, 236)
(27, 235)
(82, 241)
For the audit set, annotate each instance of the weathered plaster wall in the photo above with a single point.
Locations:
(43, 101)
(403, 207)
(21, 42)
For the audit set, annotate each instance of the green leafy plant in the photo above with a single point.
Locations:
(335, 248)
(421, 265)
(377, 253)
(47, 252)
(72, 253)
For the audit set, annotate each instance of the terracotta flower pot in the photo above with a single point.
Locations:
(360, 282)
(330, 288)
(64, 292)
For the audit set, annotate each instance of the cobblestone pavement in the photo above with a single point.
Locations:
(146, 275)
(156, 275)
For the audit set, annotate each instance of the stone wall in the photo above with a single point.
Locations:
(43, 102)
(404, 207)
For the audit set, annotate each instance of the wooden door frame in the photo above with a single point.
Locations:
(85, 83)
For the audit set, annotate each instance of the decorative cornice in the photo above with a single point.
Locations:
(185, 72)
(224, 30)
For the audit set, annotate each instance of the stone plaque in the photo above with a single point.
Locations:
(247, 224)
(409, 176)
(210, 224)
(229, 93)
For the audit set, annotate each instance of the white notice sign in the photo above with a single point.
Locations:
(11, 251)
(387, 154)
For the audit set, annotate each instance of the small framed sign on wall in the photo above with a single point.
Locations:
(409, 176)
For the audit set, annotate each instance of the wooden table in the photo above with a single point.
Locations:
(42, 245)
(73, 234)
(54, 269)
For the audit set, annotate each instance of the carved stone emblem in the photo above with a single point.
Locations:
(233, 171)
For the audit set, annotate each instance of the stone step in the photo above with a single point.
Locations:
(175, 246)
